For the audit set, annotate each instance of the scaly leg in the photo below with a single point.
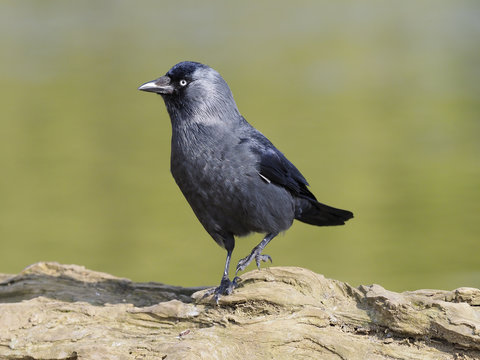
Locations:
(256, 254)
(226, 286)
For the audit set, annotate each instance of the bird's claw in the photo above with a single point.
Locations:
(262, 257)
(255, 254)
(226, 288)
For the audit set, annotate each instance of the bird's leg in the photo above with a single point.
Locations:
(226, 286)
(256, 254)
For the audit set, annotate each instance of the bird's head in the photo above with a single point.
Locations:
(191, 89)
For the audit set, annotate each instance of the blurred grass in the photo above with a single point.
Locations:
(376, 103)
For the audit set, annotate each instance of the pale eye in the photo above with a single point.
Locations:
(183, 82)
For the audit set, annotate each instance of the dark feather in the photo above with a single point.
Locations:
(315, 213)
(274, 166)
(277, 169)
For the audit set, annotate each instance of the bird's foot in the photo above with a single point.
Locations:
(226, 288)
(255, 254)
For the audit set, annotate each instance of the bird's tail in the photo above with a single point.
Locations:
(315, 213)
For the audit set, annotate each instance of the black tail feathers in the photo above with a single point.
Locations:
(315, 213)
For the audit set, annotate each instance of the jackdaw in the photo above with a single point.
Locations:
(233, 177)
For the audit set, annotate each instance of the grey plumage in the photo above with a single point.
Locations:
(233, 177)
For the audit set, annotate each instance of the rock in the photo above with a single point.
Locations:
(54, 311)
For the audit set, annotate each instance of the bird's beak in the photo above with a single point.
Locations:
(160, 86)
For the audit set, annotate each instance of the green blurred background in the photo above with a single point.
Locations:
(377, 103)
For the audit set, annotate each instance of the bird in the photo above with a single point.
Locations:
(235, 180)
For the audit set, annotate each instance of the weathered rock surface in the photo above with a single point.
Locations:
(53, 311)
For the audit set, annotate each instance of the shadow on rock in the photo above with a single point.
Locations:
(74, 283)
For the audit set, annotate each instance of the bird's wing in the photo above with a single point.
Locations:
(275, 167)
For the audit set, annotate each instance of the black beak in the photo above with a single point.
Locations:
(160, 86)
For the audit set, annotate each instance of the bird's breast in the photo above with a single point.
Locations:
(212, 166)
(221, 182)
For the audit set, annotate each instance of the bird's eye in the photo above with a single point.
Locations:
(183, 82)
